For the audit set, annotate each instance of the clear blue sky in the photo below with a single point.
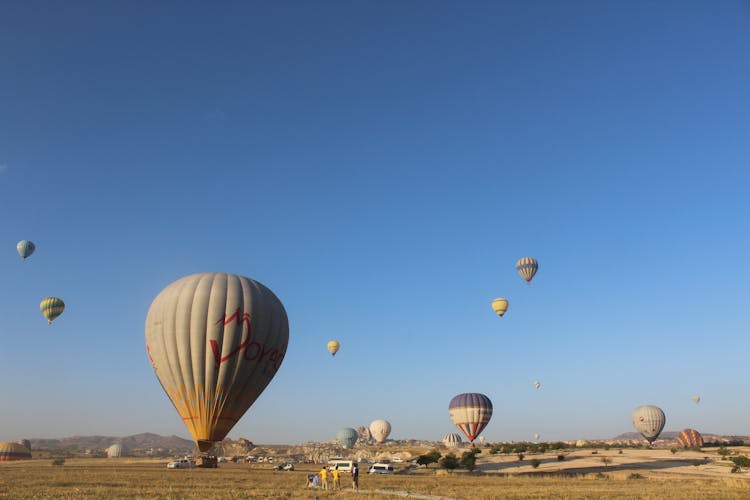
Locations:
(381, 165)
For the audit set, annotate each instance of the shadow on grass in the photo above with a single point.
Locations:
(614, 467)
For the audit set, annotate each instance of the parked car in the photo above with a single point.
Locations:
(288, 467)
(381, 468)
(182, 463)
(398, 460)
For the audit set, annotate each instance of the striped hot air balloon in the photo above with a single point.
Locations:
(13, 451)
(471, 412)
(51, 307)
(527, 267)
(215, 341)
(452, 440)
(114, 451)
(689, 438)
(500, 305)
(649, 421)
(25, 248)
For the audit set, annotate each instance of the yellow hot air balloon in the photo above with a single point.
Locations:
(500, 305)
(215, 341)
(333, 347)
(51, 307)
(696, 399)
(527, 267)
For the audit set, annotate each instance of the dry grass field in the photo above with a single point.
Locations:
(581, 475)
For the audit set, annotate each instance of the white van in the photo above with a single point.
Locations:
(381, 468)
(344, 465)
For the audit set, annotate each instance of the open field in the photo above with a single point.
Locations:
(581, 475)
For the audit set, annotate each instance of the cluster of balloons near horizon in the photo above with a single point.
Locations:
(379, 430)
(51, 307)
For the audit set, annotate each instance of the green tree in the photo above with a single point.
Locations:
(469, 459)
(449, 461)
(429, 458)
(741, 462)
(535, 463)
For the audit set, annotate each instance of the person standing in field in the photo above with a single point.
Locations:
(355, 477)
(324, 478)
(336, 479)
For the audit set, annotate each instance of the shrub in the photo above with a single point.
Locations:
(535, 463)
(673, 450)
(469, 460)
(58, 461)
(520, 457)
(620, 452)
(594, 452)
(697, 462)
(449, 461)
(560, 458)
(635, 475)
(741, 462)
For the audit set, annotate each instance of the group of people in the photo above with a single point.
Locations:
(321, 479)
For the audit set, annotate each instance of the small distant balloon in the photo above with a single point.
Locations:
(527, 267)
(500, 305)
(25, 248)
(536, 436)
(51, 307)
(333, 347)
(696, 399)
(537, 384)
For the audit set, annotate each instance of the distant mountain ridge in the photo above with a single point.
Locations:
(144, 442)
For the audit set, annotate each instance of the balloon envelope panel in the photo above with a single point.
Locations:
(215, 341)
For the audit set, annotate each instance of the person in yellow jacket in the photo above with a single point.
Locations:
(324, 478)
(336, 479)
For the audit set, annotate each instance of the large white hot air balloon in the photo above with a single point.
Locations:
(215, 341)
(380, 429)
(649, 421)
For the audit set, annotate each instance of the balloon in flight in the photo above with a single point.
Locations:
(500, 305)
(51, 307)
(347, 437)
(333, 347)
(25, 248)
(379, 430)
(536, 436)
(471, 412)
(697, 399)
(215, 341)
(649, 421)
(537, 384)
(527, 267)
